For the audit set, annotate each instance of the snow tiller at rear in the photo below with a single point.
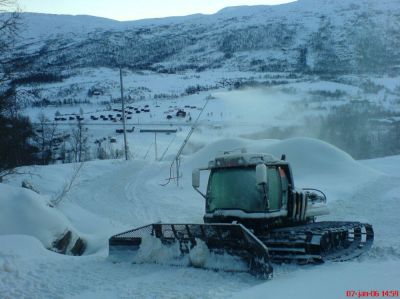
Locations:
(254, 217)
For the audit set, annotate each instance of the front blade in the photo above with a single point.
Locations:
(227, 247)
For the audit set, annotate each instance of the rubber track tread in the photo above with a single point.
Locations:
(318, 242)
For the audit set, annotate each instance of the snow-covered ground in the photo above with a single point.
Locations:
(98, 199)
(228, 113)
(111, 196)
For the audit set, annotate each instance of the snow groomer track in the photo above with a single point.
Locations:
(319, 242)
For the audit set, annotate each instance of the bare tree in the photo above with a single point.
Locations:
(45, 137)
(16, 131)
(9, 24)
(101, 151)
(67, 186)
(10, 21)
(79, 142)
(64, 153)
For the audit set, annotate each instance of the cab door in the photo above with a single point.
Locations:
(278, 187)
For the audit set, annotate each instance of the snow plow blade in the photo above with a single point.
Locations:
(227, 247)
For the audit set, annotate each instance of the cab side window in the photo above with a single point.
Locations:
(274, 189)
(285, 185)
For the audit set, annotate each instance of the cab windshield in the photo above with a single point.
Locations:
(235, 188)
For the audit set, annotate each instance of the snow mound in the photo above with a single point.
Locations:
(305, 154)
(318, 164)
(308, 155)
(387, 165)
(315, 163)
(24, 212)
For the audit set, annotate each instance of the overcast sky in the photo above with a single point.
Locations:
(135, 9)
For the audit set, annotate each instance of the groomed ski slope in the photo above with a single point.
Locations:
(111, 196)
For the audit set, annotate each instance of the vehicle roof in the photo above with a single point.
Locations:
(243, 159)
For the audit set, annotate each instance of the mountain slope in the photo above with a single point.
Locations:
(307, 35)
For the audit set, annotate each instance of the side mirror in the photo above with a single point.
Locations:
(196, 178)
(261, 174)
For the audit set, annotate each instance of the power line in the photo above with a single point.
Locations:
(113, 124)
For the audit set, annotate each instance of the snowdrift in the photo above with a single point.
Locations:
(315, 163)
(24, 212)
(310, 156)
(23, 246)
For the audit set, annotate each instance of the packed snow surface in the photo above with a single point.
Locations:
(112, 196)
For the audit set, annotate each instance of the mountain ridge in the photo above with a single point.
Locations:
(302, 36)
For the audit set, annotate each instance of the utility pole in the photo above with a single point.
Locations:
(155, 131)
(155, 145)
(123, 113)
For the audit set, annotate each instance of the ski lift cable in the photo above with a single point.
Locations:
(184, 144)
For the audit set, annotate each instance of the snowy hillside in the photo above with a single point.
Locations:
(306, 35)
